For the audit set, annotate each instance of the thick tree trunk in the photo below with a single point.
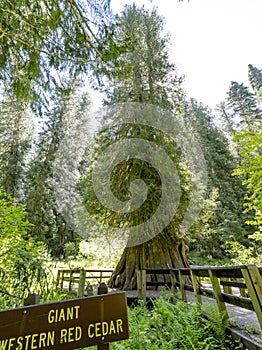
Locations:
(160, 252)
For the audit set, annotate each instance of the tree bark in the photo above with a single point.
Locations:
(160, 252)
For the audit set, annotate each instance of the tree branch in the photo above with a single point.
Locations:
(70, 59)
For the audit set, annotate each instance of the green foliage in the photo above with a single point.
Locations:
(71, 249)
(101, 251)
(54, 294)
(255, 79)
(131, 169)
(241, 120)
(15, 138)
(50, 35)
(243, 255)
(251, 168)
(245, 105)
(50, 225)
(208, 257)
(221, 218)
(176, 326)
(139, 69)
(242, 109)
(22, 260)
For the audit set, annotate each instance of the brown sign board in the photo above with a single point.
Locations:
(69, 324)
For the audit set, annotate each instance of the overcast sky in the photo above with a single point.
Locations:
(213, 41)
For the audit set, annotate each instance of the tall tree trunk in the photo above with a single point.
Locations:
(160, 252)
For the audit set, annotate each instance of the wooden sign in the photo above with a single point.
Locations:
(69, 324)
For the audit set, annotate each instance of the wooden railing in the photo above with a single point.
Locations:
(75, 280)
(247, 279)
(236, 285)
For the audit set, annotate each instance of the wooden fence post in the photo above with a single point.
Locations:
(141, 284)
(173, 281)
(58, 278)
(254, 286)
(227, 289)
(32, 299)
(62, 280)
(70, 281)
(182, 286)
(242, 291)
(102, 289)
(81, 283)
(218, 294)
(196, 286)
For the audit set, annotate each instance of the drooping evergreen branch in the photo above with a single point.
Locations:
(33, 47)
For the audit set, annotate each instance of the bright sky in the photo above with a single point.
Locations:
(213, 41)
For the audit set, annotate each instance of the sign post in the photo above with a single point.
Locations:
(69, 324)
(102, 289)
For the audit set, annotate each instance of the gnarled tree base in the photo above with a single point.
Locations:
(160, 252)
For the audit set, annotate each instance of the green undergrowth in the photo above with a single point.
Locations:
(175, 326)
(203, 259)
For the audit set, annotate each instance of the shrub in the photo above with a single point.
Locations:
(177, 326)
(22, 260)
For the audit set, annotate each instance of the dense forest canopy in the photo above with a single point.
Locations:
(49, 51)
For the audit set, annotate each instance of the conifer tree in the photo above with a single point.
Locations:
(50, 225)
(245, 102)
(227, 221)
(40, 40)
(142, 77)
(140, 69)
(16, 136)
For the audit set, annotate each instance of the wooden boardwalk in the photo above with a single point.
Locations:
(243, 317)
(236, 291)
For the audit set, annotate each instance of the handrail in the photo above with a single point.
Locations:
(248, 278)
(79, 277)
